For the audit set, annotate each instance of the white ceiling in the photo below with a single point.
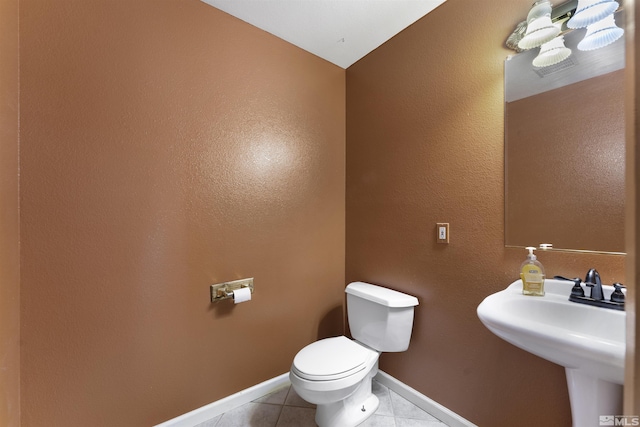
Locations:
(340, 31)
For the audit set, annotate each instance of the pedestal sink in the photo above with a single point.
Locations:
(588, 341)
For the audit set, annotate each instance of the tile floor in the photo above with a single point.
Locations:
(284, 408)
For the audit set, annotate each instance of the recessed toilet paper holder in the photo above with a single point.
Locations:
(222, 291)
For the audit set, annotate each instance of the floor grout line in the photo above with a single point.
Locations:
(301, 414)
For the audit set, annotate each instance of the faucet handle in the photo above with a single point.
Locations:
(617, 295)
(577, 289)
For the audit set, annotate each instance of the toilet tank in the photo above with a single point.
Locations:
(379, 317)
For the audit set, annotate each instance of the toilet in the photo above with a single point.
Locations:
(336, 373)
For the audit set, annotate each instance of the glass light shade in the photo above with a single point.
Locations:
(540, 29)
(552, 52)
(601, 34)
(591, 11)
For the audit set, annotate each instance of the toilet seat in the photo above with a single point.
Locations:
(332, 359)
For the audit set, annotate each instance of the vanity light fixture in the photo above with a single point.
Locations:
(591, 11)
(552, 52)
(601, 34)
(540, 29)
(545, 26)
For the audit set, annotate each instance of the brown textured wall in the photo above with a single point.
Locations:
(632, 233)
(9, 217)
(167, 146)
(425, 145)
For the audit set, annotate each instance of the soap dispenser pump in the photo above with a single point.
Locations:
(532, 275)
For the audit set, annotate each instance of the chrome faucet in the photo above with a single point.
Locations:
(592, 280)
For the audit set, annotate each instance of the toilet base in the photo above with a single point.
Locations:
(351, 411)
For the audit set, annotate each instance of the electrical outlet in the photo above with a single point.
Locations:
(442, 232)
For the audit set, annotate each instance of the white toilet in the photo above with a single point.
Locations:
(336, 373)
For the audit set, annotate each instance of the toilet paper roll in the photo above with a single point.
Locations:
(241, 295)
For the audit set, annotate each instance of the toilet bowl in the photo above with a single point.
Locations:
(330, 371)
(336, 373)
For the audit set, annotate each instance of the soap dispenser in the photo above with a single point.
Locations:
(532, 275)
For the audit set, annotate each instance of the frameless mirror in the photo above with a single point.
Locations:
(565, 149)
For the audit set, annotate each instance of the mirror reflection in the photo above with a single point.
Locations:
(564, 149)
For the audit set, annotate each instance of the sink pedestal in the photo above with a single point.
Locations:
(591, 397)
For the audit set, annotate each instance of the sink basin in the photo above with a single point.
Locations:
(573, 335)
(588, 341)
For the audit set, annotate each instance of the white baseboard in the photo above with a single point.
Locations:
(221, 406)
(445, 415)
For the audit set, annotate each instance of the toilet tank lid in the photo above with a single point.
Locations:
(378, 294)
